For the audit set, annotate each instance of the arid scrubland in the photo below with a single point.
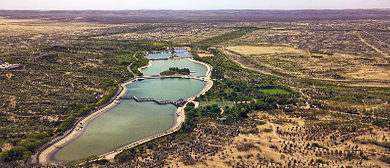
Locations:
(335, 51)
(333, 76)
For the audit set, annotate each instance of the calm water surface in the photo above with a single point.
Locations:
(182, 53)
(163, 65)
(159, 55)
(127, 122)
(130, 121)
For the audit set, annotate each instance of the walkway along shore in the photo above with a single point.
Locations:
(44, 156)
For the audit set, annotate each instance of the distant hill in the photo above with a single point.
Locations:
(175, 16)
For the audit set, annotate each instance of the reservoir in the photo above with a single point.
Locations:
(166, 88)
(158, 55)
(180, 52)
(163, 65)
(129, 120)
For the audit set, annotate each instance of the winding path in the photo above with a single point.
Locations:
(370, 45)
(129, 66)
(278, 139)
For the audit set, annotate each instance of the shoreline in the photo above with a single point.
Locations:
(45, 157)
(178, 119)
(149, 64)
(209, 67)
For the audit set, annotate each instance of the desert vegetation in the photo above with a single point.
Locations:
(55, 89)
(307, 92)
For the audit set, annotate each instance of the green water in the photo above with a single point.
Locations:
(166, 88)
(159, 55)
(163, 65)
(130, 120)
(127, 122)
(182, 52)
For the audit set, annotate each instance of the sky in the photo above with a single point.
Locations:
(190, 4)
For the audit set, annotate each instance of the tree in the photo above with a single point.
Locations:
(123, 157)
(26, 155)
(4, 156)
(190, 104)
(243, 114)
(16, 153)
(29, 144)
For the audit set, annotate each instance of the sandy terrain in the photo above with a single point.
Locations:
(356, 70)
(205, 55)
(230, 155)
(13, 27)
(370, 73)
(259, 50)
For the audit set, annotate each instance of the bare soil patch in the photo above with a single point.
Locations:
(259, 50)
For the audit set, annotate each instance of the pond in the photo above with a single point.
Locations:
(129, 120)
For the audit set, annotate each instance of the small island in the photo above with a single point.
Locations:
(176, 70)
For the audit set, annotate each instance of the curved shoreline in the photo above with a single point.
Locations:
(179, 117)
(149, 64)
(45, 156)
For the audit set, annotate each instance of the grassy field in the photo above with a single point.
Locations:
(274, 91)
(220, 104)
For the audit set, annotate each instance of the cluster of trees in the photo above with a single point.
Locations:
(139, 62)
(23, 148)
(176, 70)
(125, 156)
(245, 86)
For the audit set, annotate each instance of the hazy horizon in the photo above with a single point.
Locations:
(308, 9)
(191, 5)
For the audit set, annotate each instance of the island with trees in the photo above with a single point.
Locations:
(176, 70)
